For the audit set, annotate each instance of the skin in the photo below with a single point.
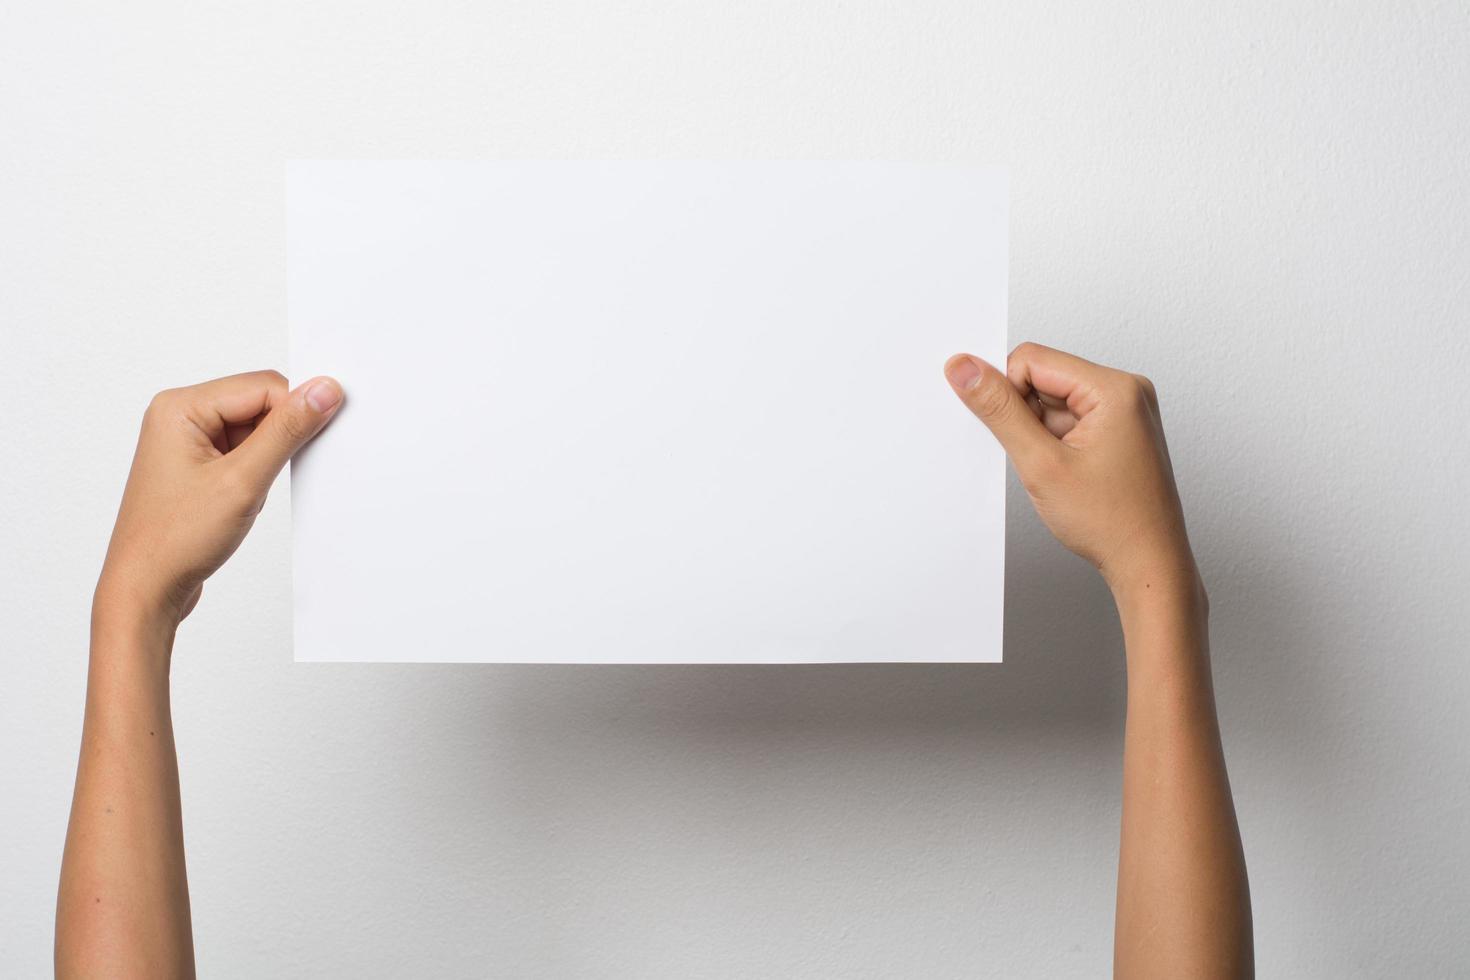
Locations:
(1087, 442)
(206, 457)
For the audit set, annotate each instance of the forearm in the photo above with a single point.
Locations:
(206, 457)
(1183, 899)
(123, 904)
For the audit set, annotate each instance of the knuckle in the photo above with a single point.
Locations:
(293, 427)
(163, 405)
(992, 400)
(1023, 350)
(1131, 389)
(164, 399)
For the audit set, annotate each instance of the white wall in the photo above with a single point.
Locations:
(1262, 205)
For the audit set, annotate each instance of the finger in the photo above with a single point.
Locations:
(996, 402)
(1053, 412)
(236, 433)
(216, 406)
(1065, 379)
(287, 427)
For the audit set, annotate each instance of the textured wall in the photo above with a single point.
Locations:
(1262, 205)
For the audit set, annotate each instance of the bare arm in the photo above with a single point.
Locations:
(1183, 901)
(1088, 444)
(206, 457)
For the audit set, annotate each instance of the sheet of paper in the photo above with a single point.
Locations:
(630, 412)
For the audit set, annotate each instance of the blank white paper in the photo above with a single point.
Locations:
(646, 412)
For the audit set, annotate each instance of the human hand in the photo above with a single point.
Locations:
(206, 456)
(1088, 444)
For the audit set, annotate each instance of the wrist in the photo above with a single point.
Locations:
(125, 623)
(1164, 611)
(127, 677)
(1162, 586)
(1165, 573)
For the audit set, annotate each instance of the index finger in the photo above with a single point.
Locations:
(234, 400)
(1074, 380)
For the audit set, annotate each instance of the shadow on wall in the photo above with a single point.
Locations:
(729, 773)
(1063, 671)
(1063, 668)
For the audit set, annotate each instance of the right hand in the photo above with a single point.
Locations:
(206, 456)
(1088, 444)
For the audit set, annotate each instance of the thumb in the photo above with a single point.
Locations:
(996, 402)
(286, 428)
